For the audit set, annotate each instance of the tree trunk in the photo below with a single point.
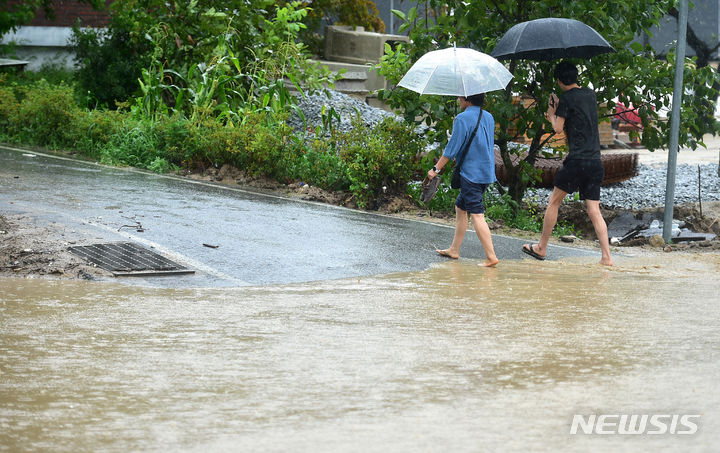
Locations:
(522, 175)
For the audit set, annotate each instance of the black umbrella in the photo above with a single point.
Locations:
(550, 39)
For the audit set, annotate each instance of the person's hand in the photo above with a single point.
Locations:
(552, 106)
(553, 101)
(431, 173)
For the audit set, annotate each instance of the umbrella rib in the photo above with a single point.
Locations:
(428, 79)
(462, 80)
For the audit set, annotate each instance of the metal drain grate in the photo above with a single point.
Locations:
(126, 259)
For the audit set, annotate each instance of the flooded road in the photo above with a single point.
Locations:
(445, 359)
(260, 238)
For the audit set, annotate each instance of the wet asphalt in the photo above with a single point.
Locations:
(230, 236)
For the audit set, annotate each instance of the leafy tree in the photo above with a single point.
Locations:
(14, 14)
(179, 56)
(228, 73)
(183, 33)
(633, 75)
(109, 62)
(175, 34)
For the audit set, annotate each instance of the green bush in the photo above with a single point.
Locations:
(46, 116)
(136, 144)
(9, 112)
(175, 136)
(528, 218)
(109, 62)
(95, 128)
(380, 160)
(320, 165)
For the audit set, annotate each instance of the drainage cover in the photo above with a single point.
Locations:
(126, 259)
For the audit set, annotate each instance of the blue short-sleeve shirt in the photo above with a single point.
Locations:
(479, 163)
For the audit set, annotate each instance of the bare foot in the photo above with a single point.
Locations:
(448, 254)
(489, 263)
(606, 262)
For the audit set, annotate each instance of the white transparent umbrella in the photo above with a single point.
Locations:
(456, 71)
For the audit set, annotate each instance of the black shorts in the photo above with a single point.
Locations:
(583, 175)
(471, 197)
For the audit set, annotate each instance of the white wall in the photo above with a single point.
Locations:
(42, 45)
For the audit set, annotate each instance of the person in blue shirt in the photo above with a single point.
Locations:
(477, 171)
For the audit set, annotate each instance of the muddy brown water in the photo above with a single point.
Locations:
(454, 358)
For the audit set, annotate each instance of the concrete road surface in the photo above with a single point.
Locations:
(260, 238)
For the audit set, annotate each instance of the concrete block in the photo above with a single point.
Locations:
(355, 45)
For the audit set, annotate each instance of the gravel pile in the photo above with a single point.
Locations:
(647, 189)
(346, 106)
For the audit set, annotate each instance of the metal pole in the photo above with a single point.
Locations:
(392, 17)
(675, 122)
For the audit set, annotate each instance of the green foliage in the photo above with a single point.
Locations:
(134, 145)
(633, 77)
(45, 116)
(180, 34)
(93, 129)
(319, 164)
(108, 63)
(9, 108)
(234, 80)
(51, 73)
(379, 160)
(503, 207)
(160, 36)
(267, 148)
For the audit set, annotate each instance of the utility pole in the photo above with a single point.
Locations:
(392, 17)
(675, 122)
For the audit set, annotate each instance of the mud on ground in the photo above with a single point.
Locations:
(29, 249)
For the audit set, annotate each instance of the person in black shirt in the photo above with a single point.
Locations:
(575, 113)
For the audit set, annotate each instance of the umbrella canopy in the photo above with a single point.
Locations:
(456, 72)
(550, 39)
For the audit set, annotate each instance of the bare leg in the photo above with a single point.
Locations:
(593, 210)
(549, 221)
(461, 224)
(483, 233)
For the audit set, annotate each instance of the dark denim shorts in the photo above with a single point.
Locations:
(471, 197)
(583, 175)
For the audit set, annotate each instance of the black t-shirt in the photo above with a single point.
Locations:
(579, 108)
